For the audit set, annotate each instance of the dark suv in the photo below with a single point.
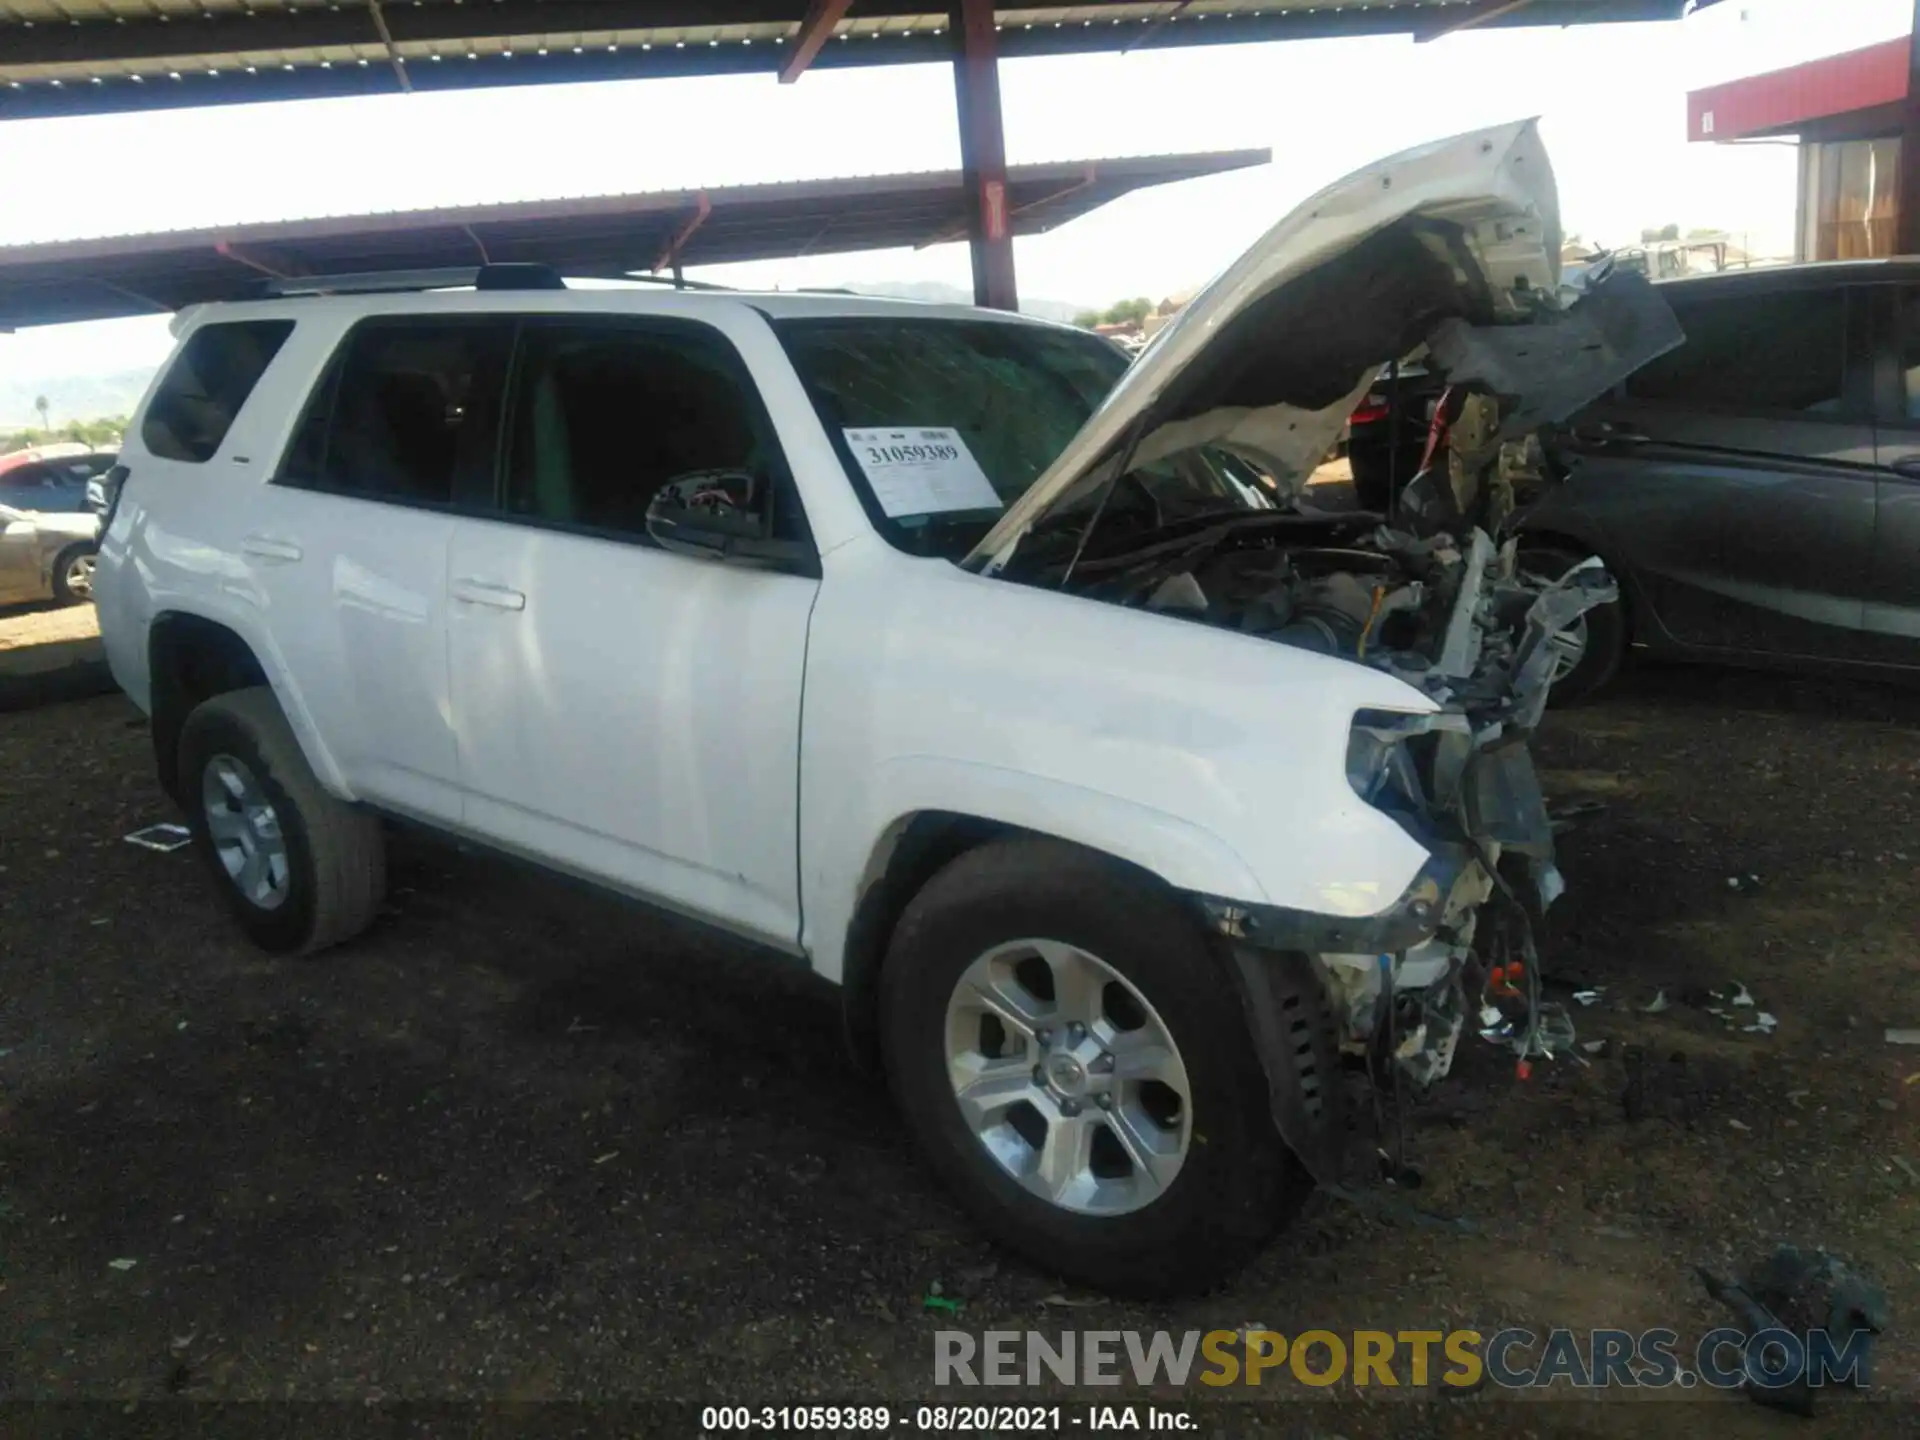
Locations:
(1757, 490)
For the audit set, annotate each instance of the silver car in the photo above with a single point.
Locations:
(47, 555)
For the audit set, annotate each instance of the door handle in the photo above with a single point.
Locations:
(265, 547)
(484, 592)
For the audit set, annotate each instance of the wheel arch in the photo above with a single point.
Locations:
(193, 656)
(77, 546)
(908, 854)
(1548, 537)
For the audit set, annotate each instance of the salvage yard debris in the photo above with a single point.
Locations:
(1803, 1294)
(166, 838)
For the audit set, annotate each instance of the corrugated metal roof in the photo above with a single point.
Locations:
(601, 236)
(83, 56)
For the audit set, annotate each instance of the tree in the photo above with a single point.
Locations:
(1665, 232)
(1130, 312)
(40, 404)
(1087, 319)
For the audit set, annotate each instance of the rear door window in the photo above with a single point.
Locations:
(405, 413)
(1780, 354)
(205, 386)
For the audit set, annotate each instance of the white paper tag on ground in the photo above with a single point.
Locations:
(921, 470)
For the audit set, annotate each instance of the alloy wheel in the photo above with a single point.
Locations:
(1067, 1077)
(79, 576)
(245, 830)
(1568, 644)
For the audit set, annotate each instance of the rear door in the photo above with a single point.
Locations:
(1736, 475)
(352, 550)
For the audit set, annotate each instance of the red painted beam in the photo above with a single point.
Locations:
(671, 255)
(983, 152)
(815, 31)
(959, 232)
(254, 259)
(1778, 101)
(1479, 15)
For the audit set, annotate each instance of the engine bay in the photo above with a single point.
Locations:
(1434, 598)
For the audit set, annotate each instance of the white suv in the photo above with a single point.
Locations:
(1119, 789)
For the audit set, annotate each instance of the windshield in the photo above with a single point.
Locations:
(941, 424)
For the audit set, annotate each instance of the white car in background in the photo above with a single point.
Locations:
(937, 649)
(46, 555)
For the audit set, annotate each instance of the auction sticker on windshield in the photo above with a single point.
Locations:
(921, 471)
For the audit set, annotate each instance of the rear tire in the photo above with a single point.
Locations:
(1606, 627)
(1235, 1181)
(299, 869)
(73, 575)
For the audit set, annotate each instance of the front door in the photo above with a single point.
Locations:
(627, 713)
(1752, 455)
(20, 545)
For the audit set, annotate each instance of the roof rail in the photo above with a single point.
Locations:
(380, 282)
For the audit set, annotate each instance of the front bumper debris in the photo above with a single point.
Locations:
(1411, 919)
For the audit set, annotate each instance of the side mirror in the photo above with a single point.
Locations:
(719, 514)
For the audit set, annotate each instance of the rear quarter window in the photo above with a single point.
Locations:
(205, 386)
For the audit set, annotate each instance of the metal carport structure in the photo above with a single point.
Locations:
(594, 236)
(72, 57)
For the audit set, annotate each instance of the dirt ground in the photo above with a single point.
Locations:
(523, 1143)
(25, 626)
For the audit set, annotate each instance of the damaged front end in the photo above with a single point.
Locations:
(1450, 252)
(1398, 990)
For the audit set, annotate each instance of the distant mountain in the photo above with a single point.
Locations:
(943, 294)
(73, 397)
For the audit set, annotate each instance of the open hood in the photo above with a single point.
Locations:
(1270, 359)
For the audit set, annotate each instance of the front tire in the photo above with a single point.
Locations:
(299, 869)
(1074, 1062)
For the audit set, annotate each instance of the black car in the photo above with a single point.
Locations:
(1756, 491)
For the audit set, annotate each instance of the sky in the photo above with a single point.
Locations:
(1612, 102)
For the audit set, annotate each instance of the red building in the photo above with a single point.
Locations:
(1847, 111)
